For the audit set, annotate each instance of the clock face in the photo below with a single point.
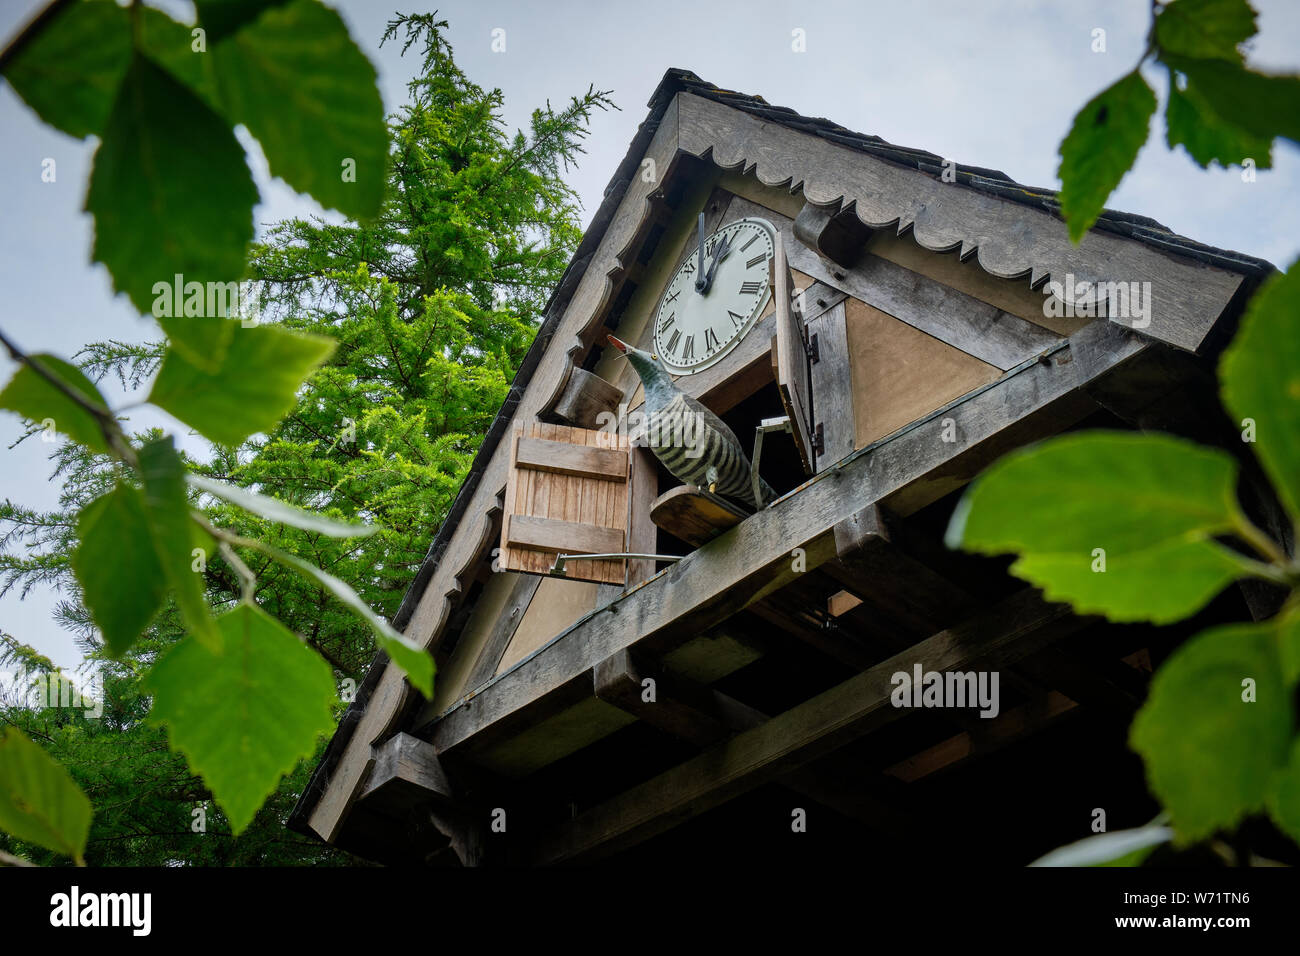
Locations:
(695, 330)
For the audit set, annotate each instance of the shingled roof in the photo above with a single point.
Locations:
(991, 181)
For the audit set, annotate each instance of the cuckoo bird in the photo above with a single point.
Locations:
(694, 444)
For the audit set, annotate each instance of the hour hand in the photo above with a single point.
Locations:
(720, 253)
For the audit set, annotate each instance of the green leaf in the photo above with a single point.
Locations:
(1211, 756)
(1100, 148)
(39, 801)
(170, 45)
(1259, 376)
(34, 397)
(412, 659)
(170, 191)
(1205, 28)
(121, 577)
(256, 383)
(294, 77)
(70, 72)
(244, 714)
(1288, 644)
(1193, 124)
(1150, 502)
(1121, 848)
(276, 510)
(1284, 800)
(170, 525)
(202, 340)
(223, 17)
(1262, 104)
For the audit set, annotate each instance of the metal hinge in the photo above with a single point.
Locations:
(819, 440)
(813, 347)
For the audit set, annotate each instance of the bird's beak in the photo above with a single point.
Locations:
(617, 343)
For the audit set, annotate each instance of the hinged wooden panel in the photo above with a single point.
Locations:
(567, 493)
(793, 377)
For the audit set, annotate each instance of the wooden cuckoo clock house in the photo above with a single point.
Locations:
(715, 685)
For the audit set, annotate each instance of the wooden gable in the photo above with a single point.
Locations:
(553, 689)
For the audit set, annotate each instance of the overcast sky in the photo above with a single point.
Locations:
(993, 83)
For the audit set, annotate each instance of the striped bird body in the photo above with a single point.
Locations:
(698, 448)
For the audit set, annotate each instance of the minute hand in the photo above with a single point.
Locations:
(724, 248)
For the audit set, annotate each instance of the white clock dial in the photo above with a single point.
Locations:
(694, 330)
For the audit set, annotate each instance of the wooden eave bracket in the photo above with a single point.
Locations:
(831, 232)
(406, 771)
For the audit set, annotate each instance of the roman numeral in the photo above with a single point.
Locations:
(689, 268)
(750, 288)
(673, 296)
(671, 348)
(711, 340)
(755, 261)
(752, 240)
(736, 320)
(688, 348)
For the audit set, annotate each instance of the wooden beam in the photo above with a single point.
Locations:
(798, 736)
(1005, 729)
(407, 771)
(758, 556)
(907, 591)
(503, 629)
(703, 716)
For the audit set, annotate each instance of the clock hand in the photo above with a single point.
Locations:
(723, 250)
(701, 285)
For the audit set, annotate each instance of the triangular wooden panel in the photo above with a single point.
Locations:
(901, 374)
(793, 376)
(567, 493)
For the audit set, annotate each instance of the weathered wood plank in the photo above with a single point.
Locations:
(554, 536)
(703, 717)
(832, 386)
(406, 772)
(909, 470)
(503, 629)
(964, 322)
(800, 735)
(793, 377)
(1005, 729)
(565, 458)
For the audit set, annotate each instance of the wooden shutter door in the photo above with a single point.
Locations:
(793, 375)
(567, 493)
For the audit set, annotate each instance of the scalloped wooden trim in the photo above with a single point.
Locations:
(1007, 239)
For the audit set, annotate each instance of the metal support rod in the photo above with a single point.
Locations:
(558, 567)
(781, 424)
